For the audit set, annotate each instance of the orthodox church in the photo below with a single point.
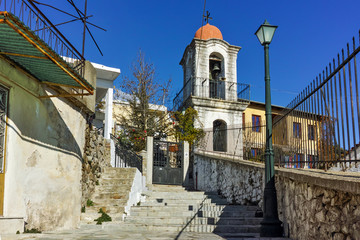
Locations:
(210, 86)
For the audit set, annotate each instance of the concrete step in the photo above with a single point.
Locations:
(227, 221)
(156, 220)
(226, 214)
(223, 228)
(10, 225)
(159, 188)
(144, 227)
(162, 202)
(162, 214)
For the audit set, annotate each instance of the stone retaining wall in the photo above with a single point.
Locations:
(319, 205)
(239, 181)
(96, 157)
(312, 204)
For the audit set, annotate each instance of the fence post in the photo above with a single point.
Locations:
(149, 160)
(185, 157)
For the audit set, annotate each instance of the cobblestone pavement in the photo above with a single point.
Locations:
(97, 232)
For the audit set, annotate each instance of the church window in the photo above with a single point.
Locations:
(219, 136)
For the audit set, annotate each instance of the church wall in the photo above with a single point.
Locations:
(233, 120)
(44, 146)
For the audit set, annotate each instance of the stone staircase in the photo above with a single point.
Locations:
(111, 194)
(173, 209)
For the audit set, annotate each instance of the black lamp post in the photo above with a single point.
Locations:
(270, 225)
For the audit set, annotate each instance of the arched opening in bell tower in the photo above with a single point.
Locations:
(216, 76)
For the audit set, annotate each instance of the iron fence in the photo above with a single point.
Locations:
(27, 12)
(322, 124)
(214, 89)
(125, 157)
(319, 129)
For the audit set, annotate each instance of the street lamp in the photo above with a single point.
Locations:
(270, 225)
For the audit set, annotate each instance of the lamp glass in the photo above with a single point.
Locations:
(265, 33)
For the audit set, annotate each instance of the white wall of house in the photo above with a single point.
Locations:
(45, 141)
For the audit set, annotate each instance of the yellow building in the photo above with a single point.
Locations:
(295, 137)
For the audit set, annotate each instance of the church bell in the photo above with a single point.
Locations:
(216, 68)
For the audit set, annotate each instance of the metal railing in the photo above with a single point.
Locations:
(27, 12)
(324, 119)
(214, 89)
(319, 129)
(125, 157)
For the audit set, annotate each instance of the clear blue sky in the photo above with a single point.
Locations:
(309, 35)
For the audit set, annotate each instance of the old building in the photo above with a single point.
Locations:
(46, 98)
(211, 87)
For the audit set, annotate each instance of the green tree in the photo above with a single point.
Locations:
(184, 129)
(145, 115)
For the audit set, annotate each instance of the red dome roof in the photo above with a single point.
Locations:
(208, 31)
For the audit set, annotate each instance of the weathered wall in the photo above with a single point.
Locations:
(311, 204)
(44, 147)
(318, 205)
(96, 157)
(237, 180)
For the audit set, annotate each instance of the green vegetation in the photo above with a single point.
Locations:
(83, 209)
(184, 129)
(103, 218)
(33, 230)
(89, 203)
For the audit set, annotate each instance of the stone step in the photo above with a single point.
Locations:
(224, 228)
(155, 220)
(226, 221)
(115, 182)
(244, 236)
(108, 209)
(143, 227)
(112, 170)
(160, 187)
(162, 214)
(226, 213)
(175, 196)
(162, 202)
(110, 195)
(113, 188)
(109, 202)
(90, 217)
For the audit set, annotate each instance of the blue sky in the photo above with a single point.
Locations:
(309, 35)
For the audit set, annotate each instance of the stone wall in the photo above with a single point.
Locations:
(96, 157)
(238, 181)
(312, 204)
(319, 205)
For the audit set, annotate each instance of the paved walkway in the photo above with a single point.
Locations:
(97, 233)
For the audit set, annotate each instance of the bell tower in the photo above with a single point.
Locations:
(210, 87)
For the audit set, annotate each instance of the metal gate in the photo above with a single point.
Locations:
(167, 163)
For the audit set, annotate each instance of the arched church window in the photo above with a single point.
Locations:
(219, 136)
(216, 76)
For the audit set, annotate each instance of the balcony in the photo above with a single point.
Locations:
(212, 89)
(32, 42)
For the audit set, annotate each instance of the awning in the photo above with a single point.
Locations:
(25, 48)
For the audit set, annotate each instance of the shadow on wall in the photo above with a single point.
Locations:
(41, 122)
